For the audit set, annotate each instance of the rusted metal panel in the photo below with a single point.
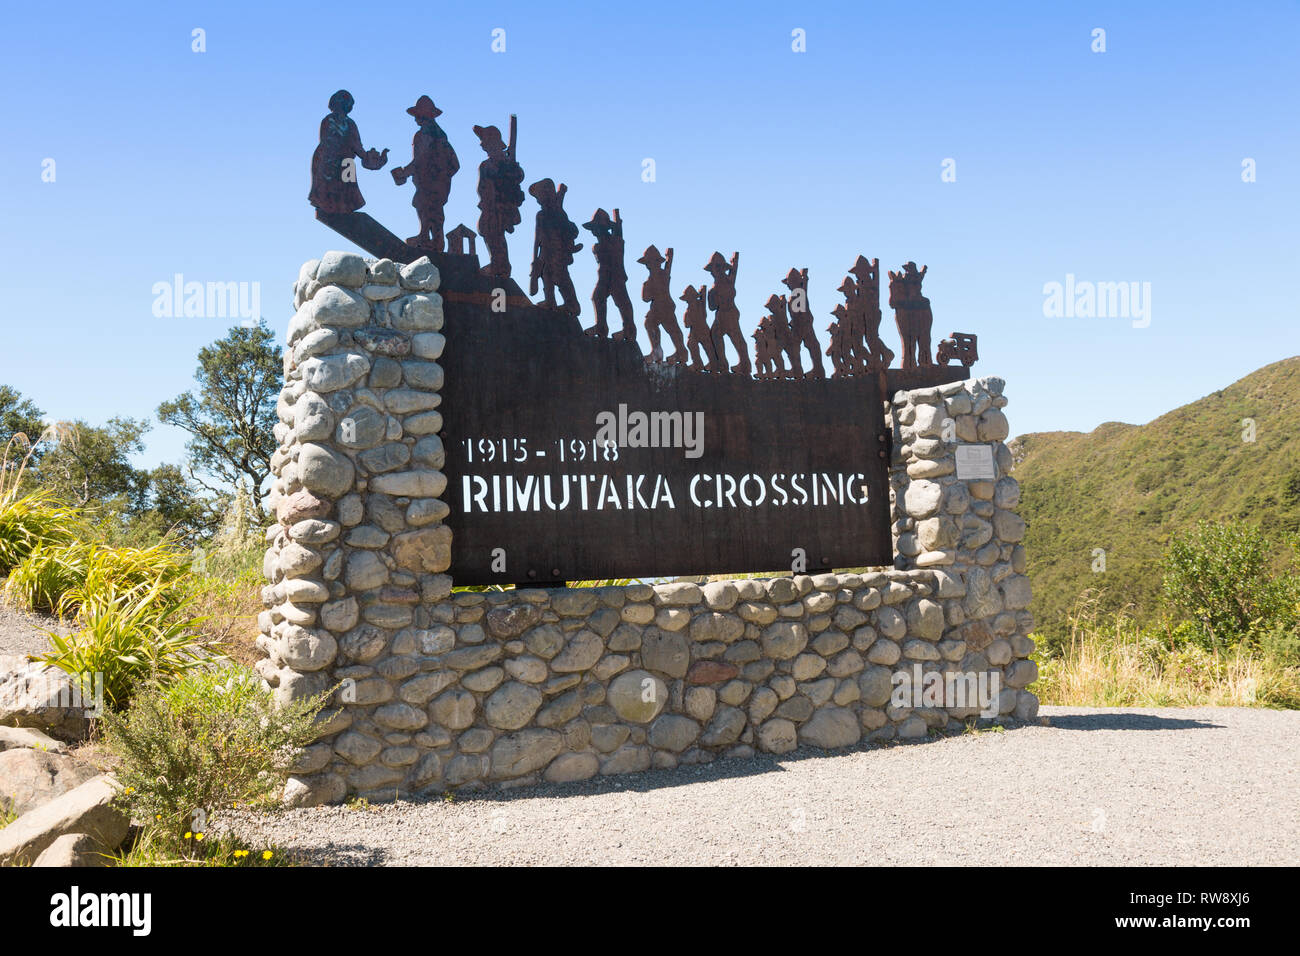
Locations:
(746, 473)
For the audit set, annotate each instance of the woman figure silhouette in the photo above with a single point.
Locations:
(333, 165)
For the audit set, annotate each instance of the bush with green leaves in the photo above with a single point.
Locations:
(55, 577)
(1224, 577)
(210, 740)
(128, 637)
(32, 521)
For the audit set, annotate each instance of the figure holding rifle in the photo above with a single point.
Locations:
(611, 277)
(726, 317)
(662, 313)
(499, 196)
(553, 246)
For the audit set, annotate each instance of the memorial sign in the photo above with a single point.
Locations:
(569, 458)
(571, 455)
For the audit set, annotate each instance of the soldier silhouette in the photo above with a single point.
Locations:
(853, 328)
(868, 274)
(662, 313)
(726, 321)
(611, 276)
(783, 337)
(333, 165)
(836, 348)
(433, 164)
(912, 279)
(763, 364)
(699, 337)
(499, 198)
(801, 321)
(553, 246)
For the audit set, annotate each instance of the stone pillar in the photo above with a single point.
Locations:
(967, 528)
(356, 555)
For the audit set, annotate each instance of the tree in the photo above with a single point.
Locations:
(232, 415)
(18, 414)
(85, 463)
(177, 506)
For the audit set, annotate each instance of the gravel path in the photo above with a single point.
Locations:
(24, 633)
(1202, 786)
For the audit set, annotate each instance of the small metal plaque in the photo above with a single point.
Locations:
(975, 462)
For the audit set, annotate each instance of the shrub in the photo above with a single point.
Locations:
(58, 578)
(41, 579)
(33, 521)
(1221, 576)
(130, 635)
(212, 739)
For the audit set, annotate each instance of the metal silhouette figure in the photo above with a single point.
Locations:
(611, 276)
(333, 165)
(433, 164)
(835, 351)
(801, 321)
(867, 271)
(662, 314)
(553, 246)
(699, 337)
(499, 196)
(726, 321)
(783, 336)
(912, 314)
(766, 354)
(853, 328)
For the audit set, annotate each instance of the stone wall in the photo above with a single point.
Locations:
(438, 690)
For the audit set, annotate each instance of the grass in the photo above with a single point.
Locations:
(200, 850)
(973, 729)
(132, 608)
(31, 520)
(225, 592)
(57, 576)
(129, 635)
(1113, 660)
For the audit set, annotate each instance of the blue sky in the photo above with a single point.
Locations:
(1117, 166)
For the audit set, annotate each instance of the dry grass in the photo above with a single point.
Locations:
(229, 609)
(1118, 663)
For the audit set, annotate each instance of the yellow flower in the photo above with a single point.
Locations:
(198, 836)
(130, 789)
(188, 835)
(266, 854)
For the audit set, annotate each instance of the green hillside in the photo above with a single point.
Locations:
(1126, 488)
